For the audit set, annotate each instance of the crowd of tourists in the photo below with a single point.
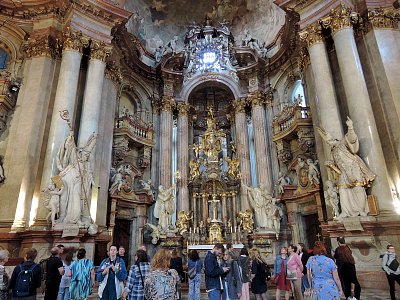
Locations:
(229, 274)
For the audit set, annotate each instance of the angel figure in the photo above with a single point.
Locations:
(117, 181)
(147, 186)
(353, 173)
(276, 217)
(155, 232)
(2, 177)
(331, 195)
(197, 149)
(233, 167)
(194, 166)
(283, 180)
(313, 172)
(52, 201)
(182, 223)
(246, 220)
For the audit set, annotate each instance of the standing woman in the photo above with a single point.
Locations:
(322, 274)
(231, 281)
(348, 274)
(302, 251)
(63, 291)
(82, 277)
(295, 267)
(260, 270)
(134, 289)
(162, 283)
(245, 271)
(4, 279)
(194, 284)
(282, 283)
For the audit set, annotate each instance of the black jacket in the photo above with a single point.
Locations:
(37, 276)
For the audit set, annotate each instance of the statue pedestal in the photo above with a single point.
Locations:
(367, 238)
(266, 242)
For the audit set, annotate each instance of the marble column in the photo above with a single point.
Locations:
(359, 105)
(260, 141)
(167, 105)
(194, 208)
(242, 142)
(204, 199)
(269, 114)
(26, 137)
(183, 156)
(234, 208)
(224, 208)
(91, 106)
(65, 99)
(326, 98)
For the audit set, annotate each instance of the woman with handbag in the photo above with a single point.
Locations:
(323, 276)
(162, 283)
(134, 289)
(195, 264)
(295, 272)
(282, 283)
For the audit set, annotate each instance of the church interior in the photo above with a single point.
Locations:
(180, 124)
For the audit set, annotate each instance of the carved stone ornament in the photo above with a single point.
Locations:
(306, 139)
(113, 73)
(303, 59)
(383, 18)
(74, 40)
(339, 18)
(167, 103)
(269, 98)
(312, 35)
(256, 99)
(239, 105)
(99, 50)
(285, 156)
(45, 45)
(183, 109)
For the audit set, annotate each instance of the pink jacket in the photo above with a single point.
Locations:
(295, 263)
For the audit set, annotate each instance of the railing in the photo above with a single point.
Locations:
(136, 128)
(289, 117)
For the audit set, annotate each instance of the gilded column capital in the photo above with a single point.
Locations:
(340, 18)
(383, 18)
(312, 34)
(99, 50)
(167, 103)
(44, 45)
(255, 99)
(269, 98)
(74, 40)
(239, 105)
(183, 108)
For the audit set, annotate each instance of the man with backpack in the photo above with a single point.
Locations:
(54, 272)
(26, 277)
(390, 265)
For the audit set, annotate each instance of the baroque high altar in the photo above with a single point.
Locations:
(260, 123)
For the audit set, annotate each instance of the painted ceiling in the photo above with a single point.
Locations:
(156, 22)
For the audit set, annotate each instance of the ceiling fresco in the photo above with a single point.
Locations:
(156, 22)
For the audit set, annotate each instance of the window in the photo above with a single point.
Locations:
(298, 90)
(3, 59)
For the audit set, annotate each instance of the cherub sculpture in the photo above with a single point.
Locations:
(155, 232)
(313, 172)
(52, 201)
(117, 181)
(331, 196)
(281, 182)
(194, 166)
(147, 186)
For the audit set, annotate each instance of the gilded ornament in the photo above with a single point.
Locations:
(45, 45)
(246, 220)
(183, 109)
(312, 34)
(167, 103)
(99, 50)
(239, 105)
(340, 18)
(380, 18)
(113, 73)
(255, 99)
(74, 40)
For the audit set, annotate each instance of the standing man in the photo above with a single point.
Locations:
(22, 288)
(390, 264)
(55, 270)
(111, 275)
(121, 255)
(213, 272)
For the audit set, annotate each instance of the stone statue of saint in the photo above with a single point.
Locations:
(259, 199)
(352, 171)
(165, 207)
(77, 177)
(331, 196)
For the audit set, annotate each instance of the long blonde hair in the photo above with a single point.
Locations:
(161, 260)
(257, 256)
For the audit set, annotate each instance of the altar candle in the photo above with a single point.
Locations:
(231, 229)
(190, 229)
(235, 229)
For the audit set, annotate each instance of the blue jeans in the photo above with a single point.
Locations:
(63, 293)
(304, 284)
(214, 295)
(194, 287)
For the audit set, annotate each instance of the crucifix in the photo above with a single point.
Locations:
(214, 202)
(318, 237)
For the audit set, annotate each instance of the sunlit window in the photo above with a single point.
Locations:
(298, 90)
(3, 59)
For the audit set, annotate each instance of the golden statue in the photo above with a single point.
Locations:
(246, 220)
(194, 166)
(182, 223)
(211, 140)
(233, 167)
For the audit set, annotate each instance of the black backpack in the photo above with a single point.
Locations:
(23, 284)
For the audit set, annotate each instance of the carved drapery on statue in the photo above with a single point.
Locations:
(72, 186)
(165, 207)
(351, 172)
